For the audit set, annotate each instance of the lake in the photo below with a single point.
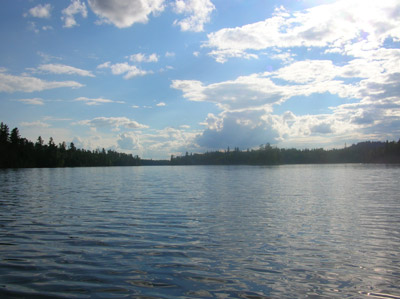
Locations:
(295, 231)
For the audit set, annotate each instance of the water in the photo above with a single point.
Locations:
(330, 231)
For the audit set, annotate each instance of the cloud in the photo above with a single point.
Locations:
(45, 28)
(130, 71)
(34, 101)
(197, 13)
(32, 27)
(161, 104)
(223, 55)
(374, 76)
(124, 13)
(11, 83)
(63, 69)
(140, 57)
(239, 129)
(246, 92)
(46, 57)
(96, 101)
(35, 124)
(128, 141)
(162, 143)
(104, 65)
(41, 11)
(169, 54)
(76, 7)
(308, 71)
(285, 57)
(114, 122)
(370, 81)
(342, 26)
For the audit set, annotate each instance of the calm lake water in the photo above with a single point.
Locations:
(313, 231)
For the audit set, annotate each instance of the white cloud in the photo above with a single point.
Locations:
(11, 83)
(41, 11)
(245, 129)
(140, 57)
(35, 124)
(52, 118)
(285, 57)
(128, 141)
(114, 122)
(197, 12)
(34, 101)
(161, 104)
(169, 54)
(308, 71)
(45, 28)
(104, 65)
(124, 13)
(63, 69)
(130, 71)
(246, 92)
(96, 101)
(162, 143)
(340, 26)
(372, 79)
(32, 27)
(46, 57)
(222, 56)
(76, 7)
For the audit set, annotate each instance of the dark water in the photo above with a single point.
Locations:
(329, 231)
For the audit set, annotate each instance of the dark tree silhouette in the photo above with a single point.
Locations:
(19, 152)
(364, 152)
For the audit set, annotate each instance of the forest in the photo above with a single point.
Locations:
(363, 152)
(18, 152)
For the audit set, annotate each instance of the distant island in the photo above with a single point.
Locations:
(18, 152)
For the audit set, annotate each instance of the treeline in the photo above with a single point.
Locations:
(364, 152)
(16, 152)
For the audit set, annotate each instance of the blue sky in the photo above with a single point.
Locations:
(156, 77)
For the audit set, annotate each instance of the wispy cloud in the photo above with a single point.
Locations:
(34, 101)
(114, 122)
(161, 104)
(11, 83)
(96, 101)
(62, 69)
(35, 124)
(47, 57)
(129, 71)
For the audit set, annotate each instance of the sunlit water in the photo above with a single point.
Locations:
(318, 231)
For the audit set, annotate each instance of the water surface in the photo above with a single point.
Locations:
(312, 231)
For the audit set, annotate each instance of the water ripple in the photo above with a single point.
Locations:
(329, 231)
